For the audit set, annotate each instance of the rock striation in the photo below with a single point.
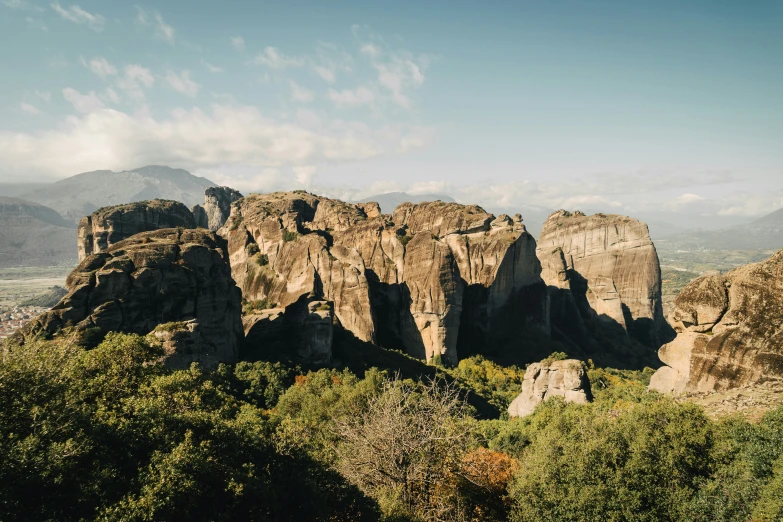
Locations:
(217, 207)
(567, 379)
(110, 225)
(436, 279)
(729, 331)
(174, 284)
(604, 279)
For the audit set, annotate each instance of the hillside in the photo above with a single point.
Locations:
(765, 233)
(34, 235)
(82, 194)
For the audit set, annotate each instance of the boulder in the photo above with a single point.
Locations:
(567, 379)
(728, 331)
(110, 225)
(404, 280)
(604, 277)
(177, 278)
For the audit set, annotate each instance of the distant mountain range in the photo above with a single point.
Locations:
(38, 227)
(34, 235)
(84, 193)
(765, 233)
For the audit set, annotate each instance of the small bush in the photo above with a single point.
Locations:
(324, 307)
(405, 239)
(262, 260)
(252, 249)
(289, 236)
(248, 307)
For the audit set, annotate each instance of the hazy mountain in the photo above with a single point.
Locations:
(34, 235)
(765, 233)
(391, 200)
(82, 194)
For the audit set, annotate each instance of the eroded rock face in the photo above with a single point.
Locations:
(110, 225)
(728, 331)
(543, 380)
(217, 207)
(303, 332)
(432, 278)
(602, 272)
(180, 279)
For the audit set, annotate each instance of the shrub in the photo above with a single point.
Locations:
(289, 236)
(252, 249)
(262, 260)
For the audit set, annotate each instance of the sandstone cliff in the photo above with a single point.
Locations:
(436, 279)
(604, 278)
(729, 331)
(175, 284)
(543, 380)
(110, 225)
(217, 207)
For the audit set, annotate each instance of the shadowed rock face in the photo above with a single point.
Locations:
(603, 273)
(217, 207)
(421, 279)
(729, 331)
(110, 225)
(543, 380)
(176, 278)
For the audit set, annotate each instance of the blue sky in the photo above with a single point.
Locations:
(624, 106)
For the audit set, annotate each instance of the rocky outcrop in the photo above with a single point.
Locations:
(604, 278)
(217, 207)
(110, 225)
(435, 279)
(729, 331)
(176, 278)
(567, 379)
(302, 332)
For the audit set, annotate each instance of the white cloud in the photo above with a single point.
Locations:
(689, 198)
(77, 15)
(212, 68)
(299, 93)
(44, 95)
(29, 109)
(37, 23)
(305, 175)
(274, 59)
(324, 72)
(135, 79)
(22, 4)
(155, 20)
(398, 71)
(139, 74)
(111, 95)
(182, 83)
(85, 103)
(100, 66)
(358, 96)
(328, 60)
(237, 136)
(238, 43)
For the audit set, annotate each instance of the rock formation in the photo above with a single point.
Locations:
(174, 283)
(217, 207)
(110, 225)
(603, 273)
(543, 380)
(434, 278)
(729, 331)
(302, 332)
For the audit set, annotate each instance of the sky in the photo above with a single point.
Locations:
(667, 107)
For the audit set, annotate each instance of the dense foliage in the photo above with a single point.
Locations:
(110, 434)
